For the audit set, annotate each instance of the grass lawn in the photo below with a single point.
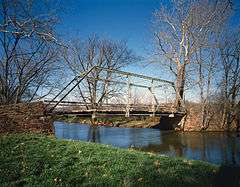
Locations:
(34, 159)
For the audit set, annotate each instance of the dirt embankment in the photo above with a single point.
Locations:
(24, 117)
(193, 120)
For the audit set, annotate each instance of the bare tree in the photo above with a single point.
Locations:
(205, 71)
(182, 30)
(27, 49)
(213, 19)
(230, 82)
(81, 56)
(186, 36)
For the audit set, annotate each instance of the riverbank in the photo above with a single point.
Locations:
(34, 159)
(161, 123)
(131, 122)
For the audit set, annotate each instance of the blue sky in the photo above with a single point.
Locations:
(128, 20)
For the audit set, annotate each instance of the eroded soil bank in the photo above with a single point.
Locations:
(24, 117)
(193, 120)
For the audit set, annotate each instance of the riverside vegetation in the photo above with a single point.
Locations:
(115, 121)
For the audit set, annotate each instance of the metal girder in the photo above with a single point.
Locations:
(81, 78)
(118, 82)
(135, 75)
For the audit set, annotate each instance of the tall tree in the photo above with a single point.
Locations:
(230, 80)
(181, 29)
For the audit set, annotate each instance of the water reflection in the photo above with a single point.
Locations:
(218, 148)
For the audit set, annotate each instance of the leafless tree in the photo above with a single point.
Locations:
(186, 36)
(205, 71)
(182, 30)
(81, 56)
(27, 49)
(213, 17)
(230, 82)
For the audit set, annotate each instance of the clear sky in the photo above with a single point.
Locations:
(128, 20)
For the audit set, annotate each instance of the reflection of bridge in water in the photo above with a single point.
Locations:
(161, 99)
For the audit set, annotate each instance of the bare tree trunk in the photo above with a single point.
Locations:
(224, 116)
(180, 84)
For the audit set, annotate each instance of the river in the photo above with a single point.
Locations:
(216, 147)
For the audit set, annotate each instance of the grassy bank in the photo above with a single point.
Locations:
(32, 159)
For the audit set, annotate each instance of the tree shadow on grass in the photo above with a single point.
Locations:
(228, 176)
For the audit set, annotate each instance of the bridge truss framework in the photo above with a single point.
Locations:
(53, 103)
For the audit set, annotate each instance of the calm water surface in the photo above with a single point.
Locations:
(218, 148)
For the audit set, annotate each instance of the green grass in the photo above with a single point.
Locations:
(34, 159)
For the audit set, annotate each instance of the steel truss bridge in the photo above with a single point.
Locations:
(151, 105)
